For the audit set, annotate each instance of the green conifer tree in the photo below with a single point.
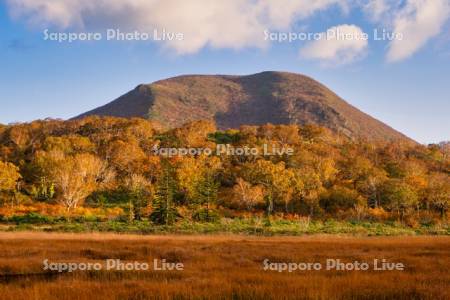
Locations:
(164, 210)
(207, 196)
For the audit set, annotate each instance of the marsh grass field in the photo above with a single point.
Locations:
(222, 267)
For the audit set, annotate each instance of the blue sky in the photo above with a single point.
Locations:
(404, 83)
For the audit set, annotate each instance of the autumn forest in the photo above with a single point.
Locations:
(105, 169)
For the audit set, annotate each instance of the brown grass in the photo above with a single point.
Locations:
(222, 267)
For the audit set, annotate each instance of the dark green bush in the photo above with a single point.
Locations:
(206, 215)
(31, 218)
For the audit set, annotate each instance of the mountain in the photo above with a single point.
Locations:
(267, 97)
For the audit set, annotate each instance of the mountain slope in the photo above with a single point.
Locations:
(267, 97)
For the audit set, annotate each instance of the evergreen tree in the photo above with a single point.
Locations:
(207, 196)
(164, 211)
(207, 190)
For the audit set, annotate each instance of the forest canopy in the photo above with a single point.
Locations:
(111, 162)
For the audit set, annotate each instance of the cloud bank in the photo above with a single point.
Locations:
(219, 24)
(238, 24)
(418, 21)
(338, 45)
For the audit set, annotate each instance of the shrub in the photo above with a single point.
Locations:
(378, 214)
(31, 218)
(338, 198)
(206, 215)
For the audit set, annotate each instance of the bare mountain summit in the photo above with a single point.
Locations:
(267, 97)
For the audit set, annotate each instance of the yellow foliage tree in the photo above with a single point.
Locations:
(75, 176)
(9, 175)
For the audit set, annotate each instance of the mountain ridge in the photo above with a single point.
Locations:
(256, 99)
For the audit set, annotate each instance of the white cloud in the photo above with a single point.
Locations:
(338, 45)
(220, 24)
(377, 10)
(418, 21)
(238, 24)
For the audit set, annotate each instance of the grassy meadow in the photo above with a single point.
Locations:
(222, 267)
(250, 226)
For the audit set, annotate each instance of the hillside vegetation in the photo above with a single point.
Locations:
(115, 170)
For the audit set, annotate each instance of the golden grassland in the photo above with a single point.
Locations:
(222, 267)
